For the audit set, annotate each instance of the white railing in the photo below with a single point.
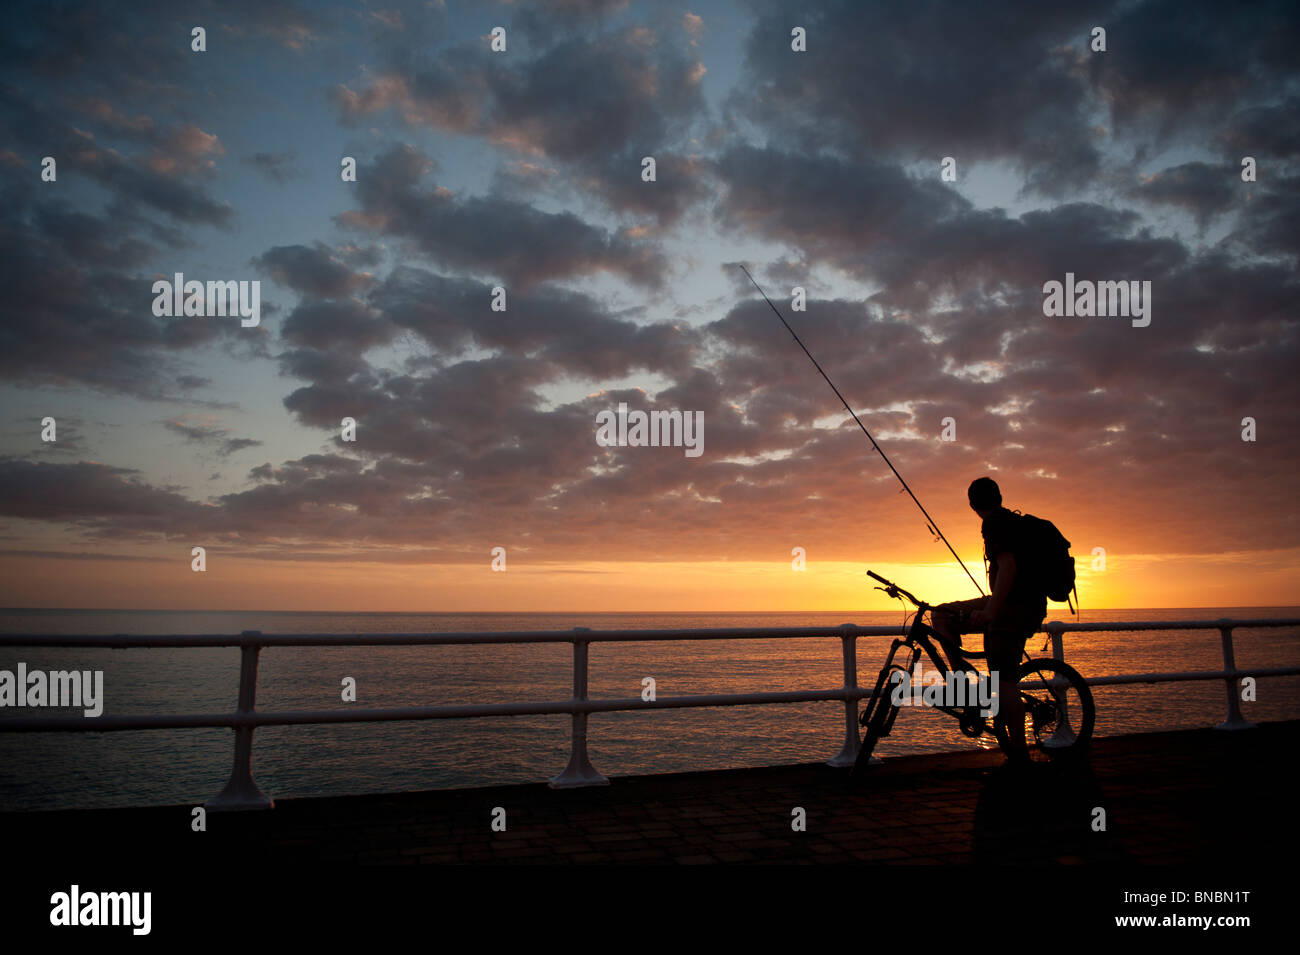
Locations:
(241, 792)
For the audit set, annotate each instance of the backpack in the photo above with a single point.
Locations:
(1049, 552)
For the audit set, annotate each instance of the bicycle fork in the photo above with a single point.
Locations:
(882, 695)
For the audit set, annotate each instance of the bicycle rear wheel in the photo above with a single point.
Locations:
(1059, 709)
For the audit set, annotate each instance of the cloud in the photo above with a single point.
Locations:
(293, 26)
(209, 433)
(491, 235)
(92, 496)
(592, 102)
(831, 209)
(347, 324)
(314, 271)
(568, 329)
(278, 167)
(185, 150)
(1267, 130)
(930, 80)
(1200, 188)
(159, 179)
(1186, 68)
(926, 83)
(113, 120)
(80, 309)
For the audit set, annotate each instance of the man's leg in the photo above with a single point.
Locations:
(951, 620)
(1004, 651)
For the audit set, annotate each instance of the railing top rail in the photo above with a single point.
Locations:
(255, 638)
(259, 639)
(1062, 626)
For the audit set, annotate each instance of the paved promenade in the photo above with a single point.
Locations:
(1200, 796)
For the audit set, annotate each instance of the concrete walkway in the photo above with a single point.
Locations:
(1198, 796)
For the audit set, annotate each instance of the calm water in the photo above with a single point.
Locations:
(164, 767)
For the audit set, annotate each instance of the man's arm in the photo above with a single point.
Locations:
(1006, 577)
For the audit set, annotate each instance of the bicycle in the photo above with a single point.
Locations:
(1059, 716)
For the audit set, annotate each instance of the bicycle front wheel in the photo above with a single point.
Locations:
(879, 718)
(1059, 709)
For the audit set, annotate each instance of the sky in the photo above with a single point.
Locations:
(522, 169)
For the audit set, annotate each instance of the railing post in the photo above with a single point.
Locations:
(241, 791)
(848, 755)
(1235, 720)
(1063, 735)
(579, 772)
(1056, 630)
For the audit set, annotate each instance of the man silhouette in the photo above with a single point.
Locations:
(1012, 613)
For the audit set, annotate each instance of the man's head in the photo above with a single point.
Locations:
(984, 496)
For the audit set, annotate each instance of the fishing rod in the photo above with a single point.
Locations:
(932, 525)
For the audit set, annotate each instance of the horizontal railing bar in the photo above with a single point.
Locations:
(561, 636)
(1192, 675)
(435, 639)
(1067, 627)
(109, 724)
(54, 724)
(390, 714)
(1187, 676)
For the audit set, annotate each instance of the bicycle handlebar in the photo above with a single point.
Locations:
(897, 589)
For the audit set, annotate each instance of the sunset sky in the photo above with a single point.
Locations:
(523, 169)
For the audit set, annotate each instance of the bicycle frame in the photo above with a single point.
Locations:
(921, 638)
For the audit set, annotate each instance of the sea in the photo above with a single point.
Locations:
(49, 771)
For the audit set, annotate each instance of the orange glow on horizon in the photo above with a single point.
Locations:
(1256, 579)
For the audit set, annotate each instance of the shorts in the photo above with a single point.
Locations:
(1005, 640)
